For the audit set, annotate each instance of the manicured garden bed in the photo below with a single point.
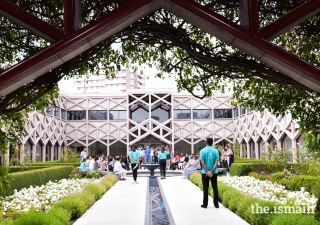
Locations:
(243, 202)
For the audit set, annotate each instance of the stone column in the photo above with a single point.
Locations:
(51, 153)
(59, 151)
(43, 153)
(22, 153)
(33, 153)
(256, 147)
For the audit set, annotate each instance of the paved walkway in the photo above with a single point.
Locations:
(125, 203)
(184, 200)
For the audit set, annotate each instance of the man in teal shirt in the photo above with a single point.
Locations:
(134, 158)
(209, 158)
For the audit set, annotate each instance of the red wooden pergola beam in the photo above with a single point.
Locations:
(279, 26)
(21, 17)
(69, 9)
(77, 37)
(253, 9)
(248, 37)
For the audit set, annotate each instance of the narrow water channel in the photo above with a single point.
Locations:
(157, 210)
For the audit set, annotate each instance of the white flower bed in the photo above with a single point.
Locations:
(267, 191)
(43, 197)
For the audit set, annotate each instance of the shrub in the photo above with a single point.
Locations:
(241, 169)
(50, 164)
(75, 206)
(69, 155)
(294, 219)
(262, 177)
(94, 174)
(246, 160)
(38, 219)
(277, 177)
(36, 177)
(76, 173)
(15, 169)
(112, 177)
(61, 214)
(308, 182)
(107, 183)
(96, 189)
(253, 174)
(88, 198)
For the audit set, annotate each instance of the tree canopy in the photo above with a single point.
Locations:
(197, 60)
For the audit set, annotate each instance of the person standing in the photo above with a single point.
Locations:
(169, 159)
(163, 161)
(127, 161)
(83, 154)
(134, 159)
(209, 158)
(147, 153)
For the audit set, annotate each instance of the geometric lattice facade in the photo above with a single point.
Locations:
(254, 130)
(111, 123)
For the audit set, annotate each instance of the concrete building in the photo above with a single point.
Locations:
(110, 123)
(124, 79)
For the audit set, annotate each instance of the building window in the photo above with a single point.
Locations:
(118, 115)
(182, 114)
(49, 110)
(250, 109)
(56, 112)
(242, 110)
(223, 113)
(235, 112)
(76, 115)
(63, 114)
(202, 114)
(98, 114)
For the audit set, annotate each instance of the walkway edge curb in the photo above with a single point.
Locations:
(165, 202)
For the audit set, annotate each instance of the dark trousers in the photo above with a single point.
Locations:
(128, 167)
(205, 182)
(163, 163)
(134, 171)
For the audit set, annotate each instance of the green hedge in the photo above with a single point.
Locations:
(15, 169)
(245, 160)
(37, 177)
(50, 164)
(243, 169)
(242, 206)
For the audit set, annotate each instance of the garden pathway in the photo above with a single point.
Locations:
(184, 199)
(125, 203)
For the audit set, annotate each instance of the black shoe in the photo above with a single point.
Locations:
(217, 206)
(203, 206)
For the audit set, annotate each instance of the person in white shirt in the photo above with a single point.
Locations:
(118, 169)
(91, 164)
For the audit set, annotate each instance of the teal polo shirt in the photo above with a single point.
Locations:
(163, 155)
(209, 155)
(135, 156)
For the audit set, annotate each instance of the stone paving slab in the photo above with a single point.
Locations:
(124, 203)
(184, 199)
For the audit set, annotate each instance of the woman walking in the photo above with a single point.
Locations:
(163, 162)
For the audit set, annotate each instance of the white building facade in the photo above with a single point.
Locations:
(111, 123)
(124, 79)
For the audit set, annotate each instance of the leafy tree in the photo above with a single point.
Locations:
(194, 58)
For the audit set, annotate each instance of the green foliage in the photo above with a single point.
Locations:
(97, 189)
(36, 178)
(111, 177)
(75, 206)
(262, 177)
(317, 210)
(253, 174)
(15, 169)
(294, 219)
(87, 197)
(55, 163)
(296, 182)
(276, 159)
(76, 173)
(61, 214)
(278, 177)
(246, 160)
(312, 141)
(243, 169)
(69, 155)
(38, 219)
(94, 174)
(5, 179)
